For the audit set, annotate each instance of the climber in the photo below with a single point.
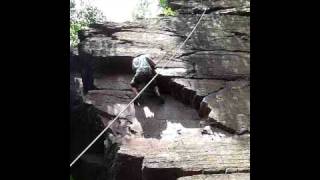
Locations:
(144, 70)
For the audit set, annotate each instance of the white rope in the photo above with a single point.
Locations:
(111, 122)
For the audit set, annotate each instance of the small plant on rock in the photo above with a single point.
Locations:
(167, 11)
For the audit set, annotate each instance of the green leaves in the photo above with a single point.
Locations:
(167, 11)
(75, 27)
(80, 19)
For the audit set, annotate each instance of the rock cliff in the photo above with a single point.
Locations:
(204, 125)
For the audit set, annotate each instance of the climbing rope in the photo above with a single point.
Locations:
(111, 122)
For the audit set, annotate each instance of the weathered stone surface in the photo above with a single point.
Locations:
(154, 35)
(220, 65)
(195, 154)
(111, 102)
(219, 48)
(230, 107)
(233, 176)
(202, 87)
(192, 91)
(211, 73)
(195, 6)
(114, 81)
(106, 47)
(172, 141)
(210, 65)
(135, 122)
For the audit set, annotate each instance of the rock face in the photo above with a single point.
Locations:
(235, 176)
(214, 51)
(198, 154)
(172, 142)
(86, 125)
(230, 107)
(204, 125)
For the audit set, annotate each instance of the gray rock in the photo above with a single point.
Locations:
(192, 91)
(211, 73)
(192, 155)
(222, 38)
(111, 102)
(233, 176)
(219, 48)
(209, 65)
(230, 107)
(213, 33)
(195, 6)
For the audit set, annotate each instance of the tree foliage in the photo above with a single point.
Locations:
(81, 19)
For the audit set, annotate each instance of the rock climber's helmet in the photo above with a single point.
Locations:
(142, 67)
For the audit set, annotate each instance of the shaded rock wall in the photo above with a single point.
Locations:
(85, 125)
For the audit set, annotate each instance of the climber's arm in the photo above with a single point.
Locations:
(133, 85)
(153, 65)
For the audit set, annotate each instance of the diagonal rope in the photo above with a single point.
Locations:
(111, 122)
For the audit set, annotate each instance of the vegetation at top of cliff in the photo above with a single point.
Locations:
(167, 11)
(80, 19)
